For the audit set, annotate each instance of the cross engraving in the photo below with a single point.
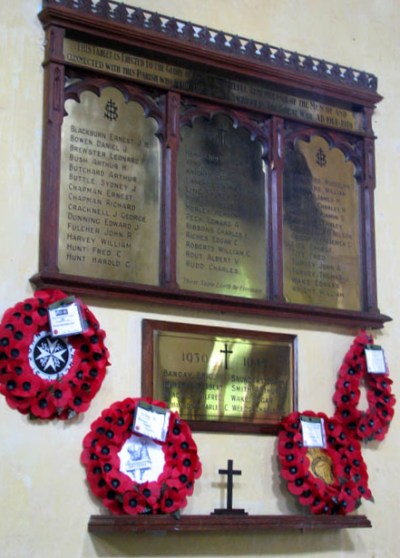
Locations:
(222, 130)
(230, 471)
(226, 353)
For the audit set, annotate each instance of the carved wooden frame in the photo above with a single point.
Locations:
(166, 38)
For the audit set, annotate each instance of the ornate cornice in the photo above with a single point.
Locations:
(220, 41)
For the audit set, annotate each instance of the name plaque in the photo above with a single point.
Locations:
(220, 379)
(321, 247)
(109, 216)
(221, 217)
(189, 167)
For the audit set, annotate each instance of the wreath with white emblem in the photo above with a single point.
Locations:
(134, 474)
(44, 376)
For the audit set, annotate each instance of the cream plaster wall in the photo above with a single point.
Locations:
(45, 504)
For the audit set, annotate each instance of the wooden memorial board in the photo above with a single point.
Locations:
(220, 379)
(232, 177)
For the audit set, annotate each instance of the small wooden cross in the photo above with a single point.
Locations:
(230, 471)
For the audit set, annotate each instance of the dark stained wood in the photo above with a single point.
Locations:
(165, 38)
(159, 32)
(199, 301)
(104, 524)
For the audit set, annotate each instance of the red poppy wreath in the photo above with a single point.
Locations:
(330, 480)
(44, 376)
(134, 474)
(373, 423)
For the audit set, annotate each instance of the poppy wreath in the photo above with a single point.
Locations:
(119, 492)
(49, 377)
(329, 480)
(373, 423)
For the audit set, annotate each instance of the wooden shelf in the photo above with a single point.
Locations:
(101, 524)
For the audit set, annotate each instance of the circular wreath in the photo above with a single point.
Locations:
(49, 377)
(373, 423)
(125, 492)
(331, 480)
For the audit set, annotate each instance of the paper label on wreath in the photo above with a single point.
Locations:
(151, 421)
(375, 359)
(141, 459)
(313, 432)
(65, 318)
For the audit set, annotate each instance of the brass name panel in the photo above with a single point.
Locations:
(221, 212)
(220, 379)
(248, 93)
(321, 227)
(110, 190)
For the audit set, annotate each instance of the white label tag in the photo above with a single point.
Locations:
(313, 432)
(375, 358)
(65, 320)
(151, 421)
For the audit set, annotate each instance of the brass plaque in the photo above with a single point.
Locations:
(220, 378)
(109, 217)
(321, 255)
(221, 210)
(254, 94)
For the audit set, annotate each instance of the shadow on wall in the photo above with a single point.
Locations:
(248, 544)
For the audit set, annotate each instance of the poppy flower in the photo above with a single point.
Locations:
(134, 502)
(151, 492)
(172, 500)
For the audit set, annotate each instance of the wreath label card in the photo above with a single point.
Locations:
(151, 421)
(375, 359)
(66, 318)
(313, 432)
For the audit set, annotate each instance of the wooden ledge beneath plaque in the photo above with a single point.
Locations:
(105, 524)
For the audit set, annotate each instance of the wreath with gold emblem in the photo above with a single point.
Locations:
(133, 474)
(372, 423)
(44, 376)
(329, 480)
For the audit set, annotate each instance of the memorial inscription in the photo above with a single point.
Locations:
(253, 94)
(189, 167)
(217, 375)
(110, 189)
(321, 227)
(221, 224)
